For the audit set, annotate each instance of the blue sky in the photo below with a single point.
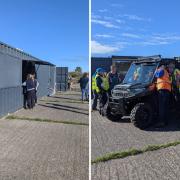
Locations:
(135, 27)
(53, 30)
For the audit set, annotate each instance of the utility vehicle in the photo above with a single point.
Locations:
(136, 96)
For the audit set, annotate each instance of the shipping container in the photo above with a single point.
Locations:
(15, 64)
(61, 78)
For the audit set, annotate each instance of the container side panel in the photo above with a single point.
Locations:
(11, 99)
(11, 71)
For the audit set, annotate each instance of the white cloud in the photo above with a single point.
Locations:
(167, 37)
(102, 10)
(95, 16)
(104, 35)
(136, 18)
(108, 18)
(130, 35)
(98, 48)
(120, 21)
(162, 39)
(104, 23)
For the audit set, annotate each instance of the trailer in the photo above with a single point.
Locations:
(15, 64)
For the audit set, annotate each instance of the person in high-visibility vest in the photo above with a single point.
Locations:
(175, 79)
(95, 94)
(101, 87)
(96, 87)
(163, 86)
(102, 84)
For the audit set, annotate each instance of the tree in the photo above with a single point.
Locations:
(78, 70)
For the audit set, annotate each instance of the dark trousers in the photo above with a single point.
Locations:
(31, 99)
(35, 96)
(95, 98)
(103, 97)
(164, 101)
(25, 100)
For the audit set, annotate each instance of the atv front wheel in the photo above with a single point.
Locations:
(142, 115)
(111, 116)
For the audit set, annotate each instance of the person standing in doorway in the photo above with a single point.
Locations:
(25, 95)
(36, 84)
(30, 85)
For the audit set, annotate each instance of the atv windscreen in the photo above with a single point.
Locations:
(140, 73)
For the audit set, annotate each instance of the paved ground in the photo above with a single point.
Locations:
(32, 150)
(108, 136)
(158, 165)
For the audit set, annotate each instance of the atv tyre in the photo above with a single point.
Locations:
(111, 116)
(142, 115)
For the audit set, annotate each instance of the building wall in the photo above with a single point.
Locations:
(53, 79)
(11, 95)
(11, 98)
(46, 79)
(100, 62)
(10, 71)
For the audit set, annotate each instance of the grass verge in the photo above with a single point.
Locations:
(12, 117)
(132, 152)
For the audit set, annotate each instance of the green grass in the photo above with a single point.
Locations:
(12, 117)
(132, 152)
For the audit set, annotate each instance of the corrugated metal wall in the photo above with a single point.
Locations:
(52, 79)
(46, 79)
(61, 78)
(11, 99)
(11, 96)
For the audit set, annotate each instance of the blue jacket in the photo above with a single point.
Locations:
(83, 82)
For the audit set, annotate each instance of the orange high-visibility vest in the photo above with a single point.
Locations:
(164, 82)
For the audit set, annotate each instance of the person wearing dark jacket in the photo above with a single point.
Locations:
(25, 96)
(83, 85)
(36, 84)
(30, 86)
(113, 78)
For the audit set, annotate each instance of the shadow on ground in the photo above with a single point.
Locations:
(70, 110)
(69, 98)
(173, 124)
(83, 109)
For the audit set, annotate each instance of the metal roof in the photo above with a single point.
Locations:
(5, 48)
(124, 58)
